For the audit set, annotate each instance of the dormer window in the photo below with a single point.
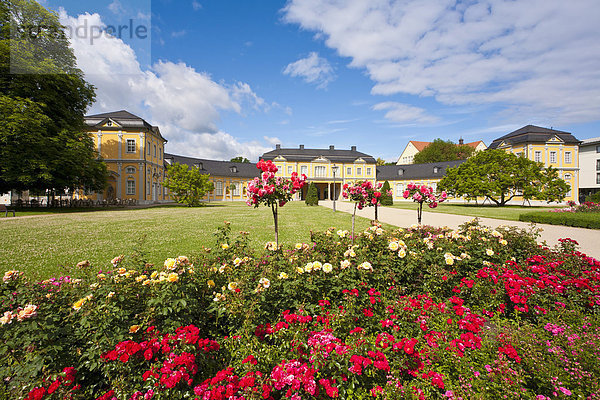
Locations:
(198, 165)
(233, 169)
(436, 170)
(400, 172)
(109, 123)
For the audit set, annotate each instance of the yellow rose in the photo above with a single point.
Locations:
(449, 261)
(299, 270)
(283, 275)
(134, 328)
(317, 265)
(173, 277)
(224, 246)
(79, 303)
(210, 283)
(327, 268)
(489, 252)
(393, 246)
(170, 263)
(401, 253)
(308, 267)
(122, 271)
(345, 264)
(232, 286)
(154, 274)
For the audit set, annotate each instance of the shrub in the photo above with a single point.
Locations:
(312, 196)
(386, 197)
(584, 219)
(594, 198)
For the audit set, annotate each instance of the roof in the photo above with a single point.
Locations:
(414, 171)
(419, 145)
(216, 168)
(533, 134)
(332, 154)
(587, 142)
(474, 144)
(124, 118)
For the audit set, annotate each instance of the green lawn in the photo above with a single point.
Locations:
(47, 245)
(488, 211)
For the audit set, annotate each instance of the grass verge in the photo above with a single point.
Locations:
(582, 220)
(48, 245)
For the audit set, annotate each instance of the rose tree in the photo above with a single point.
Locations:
(363, 194)
(273, 191)
(423, 194)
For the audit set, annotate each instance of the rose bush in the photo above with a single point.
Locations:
(420, 312)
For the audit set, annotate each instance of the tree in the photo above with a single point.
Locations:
(187, 185)
(43, 98)
(312, 196)
(240, 159)
(422, 194)
(271, 191)
(363, 194)
(440, 150)
(386, 196)
(500, 176)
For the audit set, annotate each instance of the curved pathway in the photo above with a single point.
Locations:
(588, 239)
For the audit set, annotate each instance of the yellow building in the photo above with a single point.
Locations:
(319, 166)
(414, 147)
(229, 178)
(399, 176)
(133, 151)
(550, 147)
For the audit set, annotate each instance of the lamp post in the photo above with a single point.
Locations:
(334, 169)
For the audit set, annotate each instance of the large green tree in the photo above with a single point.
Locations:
(43, 99)
(240, 159)
(187, 185)
(500, 176)
(443, 150)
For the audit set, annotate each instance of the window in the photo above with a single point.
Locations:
(597, 165)
(567, 177)
(368, 171)
(148, 187)
(148, 149)
(304, 170)
(349, 171)
(434, 186)
(597, 149)
(236, 189)
(290, 169)
(219, 188)
(597, 179)
(320, 171)
(552, 157)
(131, 145)
(109, 123)
(436, 170)
(537, 156)
(358, 171)
(399, 190)
(198, 165)
(130, 187)
(130, 170)
(233, 169)
(567, 157)
(160, 154)
(154, 150)
(400, 172)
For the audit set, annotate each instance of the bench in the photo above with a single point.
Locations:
(6, 210)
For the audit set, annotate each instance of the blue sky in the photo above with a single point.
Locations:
(224, 78)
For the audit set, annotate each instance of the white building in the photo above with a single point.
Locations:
(589, 166)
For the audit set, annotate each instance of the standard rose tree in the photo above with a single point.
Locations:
(423, 194)
(363, 194)
(273, 191)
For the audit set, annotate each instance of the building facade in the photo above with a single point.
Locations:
(589, 166)
(319, 166)
(557, 149)
(414, 147)
(133, 151)
(230, 179)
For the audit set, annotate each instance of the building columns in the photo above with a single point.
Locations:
(141, 192)
(120, 145)
(99, 147)
(119, 187)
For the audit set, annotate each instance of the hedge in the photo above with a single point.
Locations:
(582, 220)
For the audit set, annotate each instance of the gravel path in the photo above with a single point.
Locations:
(588, 239)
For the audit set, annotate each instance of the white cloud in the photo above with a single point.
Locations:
(196, 5)
(313, 69)
(183, 102)
(272, 140)
(533, 57)
(116, 7)
(398, 112)
(177, 34)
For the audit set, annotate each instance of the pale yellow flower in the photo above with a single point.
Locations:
(147, 282)
(299, 270)
(170, 263)
(79, 303)
(317, 265)
(154, 274)
(134, 328)
(6, 318)
(272, 246)
(218, 297)
(101, 276)
(503, 242)
(29, 311)
(489, 252)
(345, 264)
(141, 278)
(111, 294)
(393, 246)
(183, 260)
(449, 261)
(224, 246)
(342, 233)
(298, 246)
(366, 266)
(115, 261)
(327, 268)
(283, 275)
(308, 267)
(265, 282)
(237, 261)
(210, 283)
(122, 271)
(232, 286)
(402, 253)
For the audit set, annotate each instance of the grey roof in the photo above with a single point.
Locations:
(217, 168)
(123, 118)
(414, 171)
(587, 142)
(306, 155)
(533, 134)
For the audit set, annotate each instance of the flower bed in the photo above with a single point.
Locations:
(409, 313)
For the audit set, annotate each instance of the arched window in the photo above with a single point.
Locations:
(130, 170)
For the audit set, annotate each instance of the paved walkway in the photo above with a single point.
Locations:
(588, 239)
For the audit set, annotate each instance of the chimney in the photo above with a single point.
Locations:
(331, 147)
(461, 141)
(301, 147)
(277, 147)
(353, 148)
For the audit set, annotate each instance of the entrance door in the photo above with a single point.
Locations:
(154, 194)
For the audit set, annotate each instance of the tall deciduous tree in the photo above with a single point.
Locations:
(187, 185)
(240, 159)
(43, 98)
(500, 176)
(440, 150)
